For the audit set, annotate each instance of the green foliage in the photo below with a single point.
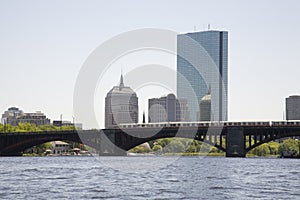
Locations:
(262, 150)
(27, 127)
(164, 142)
(139, 149)
(214, 150)
(266, 149)
(157, 148)
(48, 128)
(274, 148)
(289, 145)
(175, 146)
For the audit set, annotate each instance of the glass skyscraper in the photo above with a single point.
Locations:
(202, 66)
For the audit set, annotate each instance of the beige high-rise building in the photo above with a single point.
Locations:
(121, 106)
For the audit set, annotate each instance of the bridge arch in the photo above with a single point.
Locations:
(15, 145)
(263, 137)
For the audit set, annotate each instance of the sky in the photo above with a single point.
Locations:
(44, 44)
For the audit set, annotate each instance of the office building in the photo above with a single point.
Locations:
(121, 105)
(167, 109)
(10, 116)
(38, 118)
(14, 116)
(203, 55)
(292, 104)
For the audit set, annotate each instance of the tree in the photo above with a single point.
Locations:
(274, 147)
(289, 145)
(174, 147)
(261, 150)
(139, 149)
(157, 148)
(192, 149)
(164, 142)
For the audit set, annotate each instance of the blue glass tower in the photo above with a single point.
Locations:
(203, 70)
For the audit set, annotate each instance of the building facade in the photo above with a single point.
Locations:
(14, 116)
(60, 148)
(205, 108)
(292, 104)
(10, 116)
(38, 118)
(167, 109)
(121, 105)
(202, 62)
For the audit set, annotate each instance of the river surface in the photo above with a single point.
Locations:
(149, 178)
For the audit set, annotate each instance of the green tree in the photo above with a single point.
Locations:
(261, 150)
(26, 127)
(139, 149)
(192, 149)
(289, 145)
(157, 148)
(274, 147)
(164, 142)
(174, 147)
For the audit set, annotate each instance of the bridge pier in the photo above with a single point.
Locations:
(235, 142)
(108, 145)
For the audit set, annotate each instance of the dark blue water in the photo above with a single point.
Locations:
(155, 178)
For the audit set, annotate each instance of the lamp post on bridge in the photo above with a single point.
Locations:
(61, 116)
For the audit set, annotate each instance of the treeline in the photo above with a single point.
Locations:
(169, 146)
(27, 127)
(189, 147)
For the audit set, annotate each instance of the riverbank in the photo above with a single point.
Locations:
(214, 154)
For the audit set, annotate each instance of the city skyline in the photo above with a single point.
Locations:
(41, 54)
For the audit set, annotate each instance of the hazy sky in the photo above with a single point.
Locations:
(43, 45)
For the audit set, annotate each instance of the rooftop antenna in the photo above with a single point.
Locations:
(195, 28)
(144, 118)
(208, 27)
(121, 80)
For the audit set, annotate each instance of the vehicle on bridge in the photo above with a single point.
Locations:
(211, 123)
(286, 123)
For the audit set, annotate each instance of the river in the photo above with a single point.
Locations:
(149, 178)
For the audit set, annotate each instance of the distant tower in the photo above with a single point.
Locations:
(215, 44)
(205, 107)
(121, 105)
(292, 107)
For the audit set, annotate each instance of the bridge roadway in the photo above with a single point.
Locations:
(236, 141)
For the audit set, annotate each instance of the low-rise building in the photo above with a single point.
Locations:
(59, 148)
(67, 123)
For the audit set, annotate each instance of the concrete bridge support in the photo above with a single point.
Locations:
(235, 142)
(108, 145)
